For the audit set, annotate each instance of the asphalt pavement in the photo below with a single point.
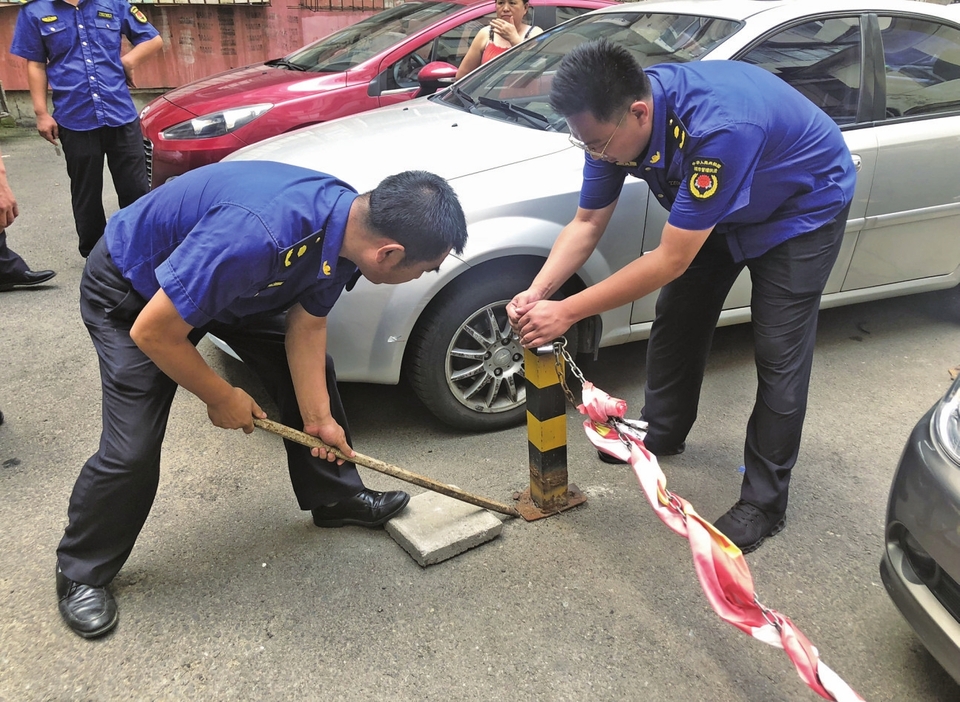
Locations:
(232, 593)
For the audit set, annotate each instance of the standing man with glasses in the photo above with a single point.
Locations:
(74, 46)
(754, 175)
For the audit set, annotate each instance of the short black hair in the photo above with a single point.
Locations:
(599, 77)
(421, 212)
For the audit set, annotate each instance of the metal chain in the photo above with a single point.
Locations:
(560, 351)
(768, 614)
(561, 354)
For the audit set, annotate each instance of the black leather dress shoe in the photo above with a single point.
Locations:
(367, 508)
(607, 458)
(89, 611)
(19, 280)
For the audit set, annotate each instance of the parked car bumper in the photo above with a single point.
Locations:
(165, 161)
(922, 545)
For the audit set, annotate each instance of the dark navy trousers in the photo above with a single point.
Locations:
(10, 261)
(787, 281)
(126, 159)
(117, 485)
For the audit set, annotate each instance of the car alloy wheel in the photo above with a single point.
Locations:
(484, 362)
(465, 362)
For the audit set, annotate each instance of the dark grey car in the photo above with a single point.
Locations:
(921, 561)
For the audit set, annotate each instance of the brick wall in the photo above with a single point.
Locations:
(200, 40)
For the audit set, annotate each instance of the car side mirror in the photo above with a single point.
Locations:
(435, 75)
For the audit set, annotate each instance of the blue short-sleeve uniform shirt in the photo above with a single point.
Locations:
(81, 49)
(736, 148)
(236, 240)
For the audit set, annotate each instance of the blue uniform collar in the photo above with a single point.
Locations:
(655, 155)
(334, 231)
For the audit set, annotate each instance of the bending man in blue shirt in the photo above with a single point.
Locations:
(754, 175)
(74, 46)
(226, 249)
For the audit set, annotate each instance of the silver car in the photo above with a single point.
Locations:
(921, 559)
(888, 72)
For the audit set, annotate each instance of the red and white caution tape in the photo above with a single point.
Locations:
(721, 568)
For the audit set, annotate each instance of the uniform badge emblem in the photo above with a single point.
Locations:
(49, 18)
(326, 268)
(705, 181)
(135, 11)
(104, 15)
(680, 136)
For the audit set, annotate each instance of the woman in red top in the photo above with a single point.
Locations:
(504, 32)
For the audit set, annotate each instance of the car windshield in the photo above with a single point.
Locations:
(352, 46)
(516, 86)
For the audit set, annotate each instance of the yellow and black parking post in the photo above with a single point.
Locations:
(546, 438)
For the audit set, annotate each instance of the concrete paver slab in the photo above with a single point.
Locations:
(435, 527)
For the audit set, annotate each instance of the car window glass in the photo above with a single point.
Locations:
(565, 12)
(403, 73)
(352, 46)
(452, 45)
(523, 75)
(922, 61)
(821, 59)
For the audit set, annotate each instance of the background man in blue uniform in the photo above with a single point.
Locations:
(753, 175)
(74, 45)
(225, 249)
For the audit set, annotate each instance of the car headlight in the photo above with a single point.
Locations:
(216, 123)
(946, 422)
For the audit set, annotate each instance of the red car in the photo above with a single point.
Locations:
(370, 64)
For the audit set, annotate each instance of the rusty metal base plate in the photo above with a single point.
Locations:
(529, 510)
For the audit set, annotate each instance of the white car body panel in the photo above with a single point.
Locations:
(517, 198)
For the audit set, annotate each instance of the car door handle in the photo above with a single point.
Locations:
(857, 162)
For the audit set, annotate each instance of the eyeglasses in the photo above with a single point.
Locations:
(598, 155)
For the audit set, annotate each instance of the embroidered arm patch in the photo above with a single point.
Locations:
(705, 181)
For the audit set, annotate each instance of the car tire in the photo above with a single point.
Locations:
(465, 362)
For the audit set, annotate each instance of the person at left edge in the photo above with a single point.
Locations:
(74, 46)
(14, 271)
(227, 249)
